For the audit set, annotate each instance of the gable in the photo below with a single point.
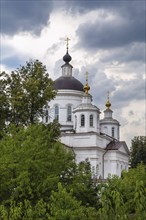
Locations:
(119, 146)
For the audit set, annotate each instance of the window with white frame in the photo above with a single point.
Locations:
(82, 120)
(91, 120)
(57, 112)
(69, 118)
(113, 132)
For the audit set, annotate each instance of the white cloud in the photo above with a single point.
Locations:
(135, 123)
(5, 69)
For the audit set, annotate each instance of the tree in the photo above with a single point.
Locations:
(32, 161)
(26, 90)
(124, 197)
(80, 181)
(138, 151)
(63, 205)
(4, 105)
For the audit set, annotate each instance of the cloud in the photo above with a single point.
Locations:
(131, 113)
(113, 28)
(130, 90)
(123, 90)
(98, 81)
(82, 6)
(127, 8)
(24, 15)
(110, 34)
(12, 62)
(129, 53)
(136, 121)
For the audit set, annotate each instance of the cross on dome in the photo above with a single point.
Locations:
(67, 42)
(86, 76)
(86, 87)
(67, 58)
(108, 104)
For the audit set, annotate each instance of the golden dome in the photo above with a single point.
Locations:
(108, 104)
(86, 88)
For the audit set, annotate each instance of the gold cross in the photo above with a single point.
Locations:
(67, 40)
(86, 76)
(108, 93)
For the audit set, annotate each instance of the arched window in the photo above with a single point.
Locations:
(75, 122)
(105, 129)
(113, 131)
(91, 120)
(82, 120)
(68, 113)
(46, 114)
(57, 112)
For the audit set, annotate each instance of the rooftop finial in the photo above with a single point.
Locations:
(108, 95)
(108, 104)
(67, 40)
(67, 58)
(86, 87)
(86, 76)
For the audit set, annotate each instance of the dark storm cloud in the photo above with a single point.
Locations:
(127, 26)
(127, 8)
(130, 53)
(24, 15)
(86, 5)
(133, 89)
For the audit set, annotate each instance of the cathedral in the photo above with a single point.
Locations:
(82, 130)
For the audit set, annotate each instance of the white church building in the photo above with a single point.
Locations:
(82, 129)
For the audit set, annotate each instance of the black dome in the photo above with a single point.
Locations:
(64, 82)
(67, 58)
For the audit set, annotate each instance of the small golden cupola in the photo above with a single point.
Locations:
(108, 104)
(86, 86)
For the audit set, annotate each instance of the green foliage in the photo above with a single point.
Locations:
(24, 210)
(138, 151)
(124, 197)
(39, 179)
(24, 93)
(80, 181)
(140, 201)
(4, 104)
(64, 206)
(31, 163)
(112, 206)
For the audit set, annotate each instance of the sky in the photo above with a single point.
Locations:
(107, 39)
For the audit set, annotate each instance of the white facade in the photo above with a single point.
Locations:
(109, 125)
(63, 100)
(82, 129)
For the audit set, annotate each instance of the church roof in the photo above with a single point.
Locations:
(115, 145)
(70, 83)
(108, 120)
